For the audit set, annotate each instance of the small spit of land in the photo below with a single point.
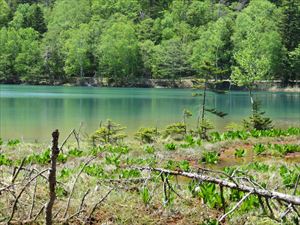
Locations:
(167, 177)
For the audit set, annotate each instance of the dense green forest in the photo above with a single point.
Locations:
(55, 40)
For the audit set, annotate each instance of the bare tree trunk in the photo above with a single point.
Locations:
(52, 178)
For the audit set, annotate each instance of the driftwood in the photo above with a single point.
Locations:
(290, 199)
(52, 178)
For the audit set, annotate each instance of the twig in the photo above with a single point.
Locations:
(270, 208)
(297, 183)
(18, 171)
(172, 189)
(222, 198)
(20, 193)
(73, 186)
(80, 210)
(98, 203)
(83, 199)
(67, 138)
(166, 199)
(235, 207)
(37, 215)
(262, 205)
(289, 208)
(33, 200)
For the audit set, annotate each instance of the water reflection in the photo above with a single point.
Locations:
(33, 112)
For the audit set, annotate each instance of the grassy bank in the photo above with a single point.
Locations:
(269, 159)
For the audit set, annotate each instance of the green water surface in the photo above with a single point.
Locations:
(32, 112)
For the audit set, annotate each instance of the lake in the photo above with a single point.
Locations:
(32, 112)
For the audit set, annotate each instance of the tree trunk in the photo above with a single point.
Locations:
(52, 178)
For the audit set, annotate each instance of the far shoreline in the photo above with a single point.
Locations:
(186, 83)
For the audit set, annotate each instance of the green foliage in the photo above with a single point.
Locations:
(95, 170)
(290, 25)
(260, 167)
(105, 9)
(4, 161)
(239, 152)
(1, 141)
(75, 152)
(147, 135)
(212, 48)
(210, 195)
(77, 51)
(183, 165)
(60, 192)
(175, 130)
(257, 121)
(28, 16)
(259, 149)
(289, 176)
(146, 196)
(13, 142)
(126, 40)
(20, 55)
(109, 132)
(170, 60)
(45, 157)
(285, 148)
(4, 13)
(210, 222)
(189, 141)
(243, 135)
(149, 149)
(257, 43)
(65, 173)
(210, 157)
(118, 51)
(170, 146)
(113, 159)
(294, 57)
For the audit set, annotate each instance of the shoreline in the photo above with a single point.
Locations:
(187, 83)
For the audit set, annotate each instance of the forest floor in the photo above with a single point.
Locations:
(137, 197)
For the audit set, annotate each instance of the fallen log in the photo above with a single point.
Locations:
(291, 199)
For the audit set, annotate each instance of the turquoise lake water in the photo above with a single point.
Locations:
(32, 112)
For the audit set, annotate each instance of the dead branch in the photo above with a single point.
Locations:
(18, 171)
(39, 212)
(235, 207)
(294, 200)
(97, 204)
(80, 210)
(20, 193)
(83, 199)
(289, 208)
(73, 186)
(33, 200)
(67, 138)
(52, 178)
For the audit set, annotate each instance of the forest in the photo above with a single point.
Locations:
(50, 41)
